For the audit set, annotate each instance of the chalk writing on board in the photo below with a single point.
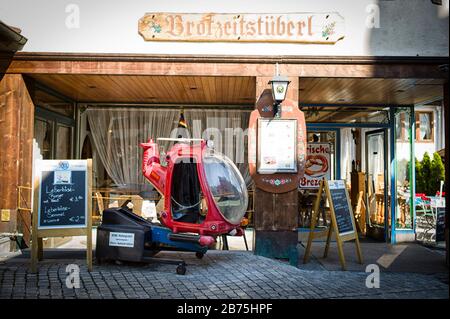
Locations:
(63, 193)
(440, 223)
(341, 207)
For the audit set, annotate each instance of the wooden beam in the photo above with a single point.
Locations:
(195, 67)
(258, 59)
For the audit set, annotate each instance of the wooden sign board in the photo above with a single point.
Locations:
(62, 204)
(277, 181)
(342, 220)
(277, 146)
(317, 28)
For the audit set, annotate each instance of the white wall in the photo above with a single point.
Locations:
(407, 27)
(421, 147)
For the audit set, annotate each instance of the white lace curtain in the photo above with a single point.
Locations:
(348, 153)
(117, 133)
(228, 130)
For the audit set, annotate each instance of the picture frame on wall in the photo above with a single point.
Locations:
(277, 146)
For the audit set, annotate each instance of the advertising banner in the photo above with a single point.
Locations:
(318, 165)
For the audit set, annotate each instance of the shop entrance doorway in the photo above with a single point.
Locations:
(362, 157)
(377, 192)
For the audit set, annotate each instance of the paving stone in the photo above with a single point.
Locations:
(221, 274)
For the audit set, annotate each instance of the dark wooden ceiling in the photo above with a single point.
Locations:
(234, 90)
(369, 91)
(229, 90)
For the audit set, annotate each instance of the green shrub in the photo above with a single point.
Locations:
(426, 174)
(429, 174)
(437, 173)
(419, 180)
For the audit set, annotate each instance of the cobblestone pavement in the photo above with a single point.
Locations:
(218, 275)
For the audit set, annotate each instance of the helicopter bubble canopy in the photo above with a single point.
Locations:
(227, 186)
(211, 193)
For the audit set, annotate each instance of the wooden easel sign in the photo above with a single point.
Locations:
(342, 220)
(62, 204)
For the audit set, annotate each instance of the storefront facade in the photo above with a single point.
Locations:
(358, 89)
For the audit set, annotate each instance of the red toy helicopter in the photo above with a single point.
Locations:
(204, 192)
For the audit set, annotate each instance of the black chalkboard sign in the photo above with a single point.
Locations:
(342, 220)
(63, 196)
(342, 210)
(62, 204)
(440, 223)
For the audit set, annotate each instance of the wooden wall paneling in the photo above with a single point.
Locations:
(208, 88)
(138, 87)
(212, 87)
(167, 89)
(234, 88)
(196, 89)
(191, 87)
(17, 131)
(185, 94)
(10, 137)
(286, 211)
(177, 84)
(264, 210)
(276, 212)
(218, 86)
(204, 84)
(229, 86)
(369, 91)
(26, 114)
(182, 83)
(187, 83)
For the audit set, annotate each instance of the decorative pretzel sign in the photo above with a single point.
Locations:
(318, 165)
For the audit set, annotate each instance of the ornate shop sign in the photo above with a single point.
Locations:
(319, 28)
(276, 146)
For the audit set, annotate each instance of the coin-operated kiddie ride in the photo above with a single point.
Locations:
(204, 197)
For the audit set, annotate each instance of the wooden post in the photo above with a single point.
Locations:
(327, 245)
(314, 216)
(276, 214)
(334, 226)
(358, 249)
(360, 214)
(16, 132)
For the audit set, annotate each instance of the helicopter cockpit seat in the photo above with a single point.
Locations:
(186, 199)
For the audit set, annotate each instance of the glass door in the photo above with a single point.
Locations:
(377, 184)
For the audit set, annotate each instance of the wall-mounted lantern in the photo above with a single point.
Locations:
(279, 89)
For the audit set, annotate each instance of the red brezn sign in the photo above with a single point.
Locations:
(318, 165)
